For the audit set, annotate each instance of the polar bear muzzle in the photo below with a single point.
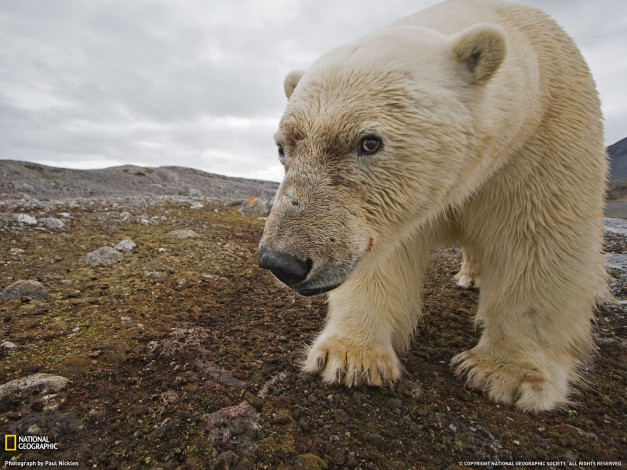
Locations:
(287, 268)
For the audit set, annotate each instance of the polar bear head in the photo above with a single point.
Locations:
(374, 140)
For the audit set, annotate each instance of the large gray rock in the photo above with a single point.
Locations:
(25, 219)
(52, 222)
(254, 206)
(41, 384)
(102, 256)
(28, 288)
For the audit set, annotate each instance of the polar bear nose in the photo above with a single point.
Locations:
(287, 268)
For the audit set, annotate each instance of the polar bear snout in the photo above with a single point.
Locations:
(287, 268)
(305, 277)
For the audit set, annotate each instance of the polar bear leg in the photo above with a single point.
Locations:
(468, 275)
(371, 318)
(536, 316)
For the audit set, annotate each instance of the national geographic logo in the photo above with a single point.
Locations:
(13, 442)
(10, 442)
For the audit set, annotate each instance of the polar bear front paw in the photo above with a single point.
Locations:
(528, 388)
(341, 361)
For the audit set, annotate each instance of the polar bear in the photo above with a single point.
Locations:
(473, 122)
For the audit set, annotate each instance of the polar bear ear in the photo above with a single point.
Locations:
(480, 51)
(291, 81)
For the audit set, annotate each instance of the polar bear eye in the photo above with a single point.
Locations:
(370, 145)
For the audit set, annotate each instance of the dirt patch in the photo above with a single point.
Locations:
(185, 355)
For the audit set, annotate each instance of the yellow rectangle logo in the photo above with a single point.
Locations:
(10, 442)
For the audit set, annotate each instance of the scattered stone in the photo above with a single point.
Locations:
(269, 385)
(20, 289)
(254, 400)
(376, 440)
(125, 246)
(65, 215)
(95, 414)
(341, 416)
(25, 219)
(282, 416)
(156, 274)
(241, 420)
(395, 403)
(102, 256)
(52, 222)
(183, 234)
(244, 464)
(16, 251)
(213, 277)
(218, 374)
(226, 460)
(254, 206)
(337, 453)
(241, 374)
(351, 461)
(8, 345)
(170, 396)
(268, 368)
(34, 429)
(162, 429)
(197, 205)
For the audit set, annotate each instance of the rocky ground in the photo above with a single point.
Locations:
(168, 348)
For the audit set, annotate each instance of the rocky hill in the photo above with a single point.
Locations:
(617, 190)
(618, 160)
(23, 180)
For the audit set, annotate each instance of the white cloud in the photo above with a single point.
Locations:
(199, 83)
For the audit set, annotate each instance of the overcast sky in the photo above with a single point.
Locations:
(197, 83)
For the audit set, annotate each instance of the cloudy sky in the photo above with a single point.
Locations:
(198, 83)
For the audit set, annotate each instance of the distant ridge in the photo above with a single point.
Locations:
(24, 179)
(618, 159)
